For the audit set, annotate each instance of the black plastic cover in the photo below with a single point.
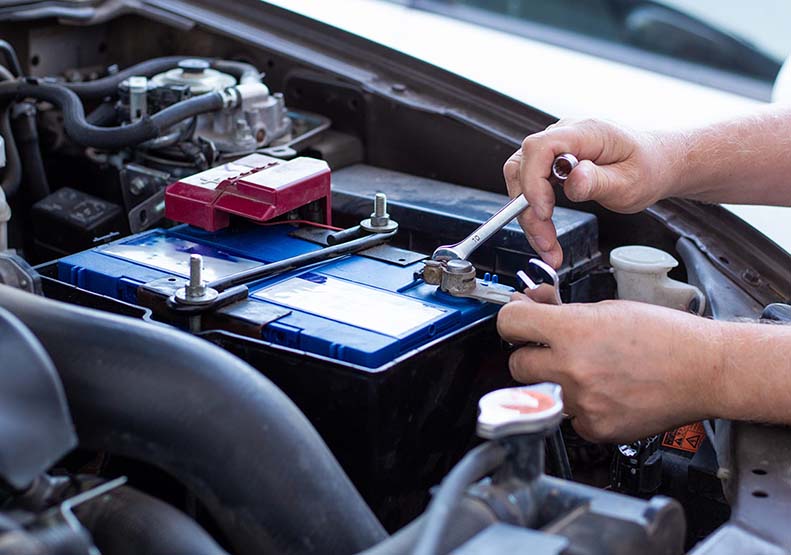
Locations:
(35, 425)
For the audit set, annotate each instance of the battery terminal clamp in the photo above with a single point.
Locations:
(457, 277)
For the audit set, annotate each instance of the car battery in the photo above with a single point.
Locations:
(387, 367)
(356, 309)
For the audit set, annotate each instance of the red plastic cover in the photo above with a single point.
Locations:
(256, 187)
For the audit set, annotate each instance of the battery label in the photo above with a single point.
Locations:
(350, 303)
(171, 254)
(686, 438)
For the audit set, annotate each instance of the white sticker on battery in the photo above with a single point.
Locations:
(211, 178)
(172, 254)
(350, 303)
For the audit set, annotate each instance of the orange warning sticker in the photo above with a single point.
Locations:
(686, 438)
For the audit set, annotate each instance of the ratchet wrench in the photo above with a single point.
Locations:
(561, 168)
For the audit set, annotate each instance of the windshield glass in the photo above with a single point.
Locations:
(744, 38)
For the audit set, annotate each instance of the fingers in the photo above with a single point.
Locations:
(541, 234)
(535, 160)
(544, 293)
(525, 321)
(532, 365)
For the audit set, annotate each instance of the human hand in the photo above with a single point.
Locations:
(628, 370)
(624, 171)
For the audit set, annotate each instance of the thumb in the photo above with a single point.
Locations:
(591, 182)
(523, 320)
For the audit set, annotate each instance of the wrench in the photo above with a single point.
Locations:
(561, 168)
(539, 275)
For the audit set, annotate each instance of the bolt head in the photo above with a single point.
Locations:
(137, 186)
(458, 266)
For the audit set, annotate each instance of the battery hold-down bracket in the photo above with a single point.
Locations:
(256, 187)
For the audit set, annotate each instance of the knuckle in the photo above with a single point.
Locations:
(516, 366)
(511, 169)
(534, 140)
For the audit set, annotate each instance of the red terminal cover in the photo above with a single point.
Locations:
(256, 187)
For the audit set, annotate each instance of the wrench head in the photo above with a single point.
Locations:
(446, 252)
(541, 281)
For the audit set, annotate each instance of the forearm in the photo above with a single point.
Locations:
(743, 161)
(754, 381)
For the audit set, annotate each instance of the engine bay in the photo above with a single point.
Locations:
(216, 273)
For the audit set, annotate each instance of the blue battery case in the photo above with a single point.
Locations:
(356, 309)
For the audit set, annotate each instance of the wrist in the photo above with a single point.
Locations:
(669, 165)
(719, 389)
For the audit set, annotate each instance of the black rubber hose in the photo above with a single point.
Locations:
(475, 465)
(11, 59)
(104, 115)
(12, 175)
(108, 86)
(128, 522)
(225, 431)
(27, 141)
(110, 138)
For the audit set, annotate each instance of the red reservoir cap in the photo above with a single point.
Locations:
(520, 410)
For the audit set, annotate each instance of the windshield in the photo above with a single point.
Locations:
(748, 39)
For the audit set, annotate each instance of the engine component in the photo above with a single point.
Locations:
(255, 187)
(16, 272)
(125, 376)
(5, 216)
(259, 118)
(641, 274)
(125, 521)
(69, 220)
(84, 133)
(552, 516)
(35, 428)
(637, 467)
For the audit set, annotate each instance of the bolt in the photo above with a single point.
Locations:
(196, 288)
(380, 204)
(137, 186)
(196, 292)
(380, 221)
(380, 217)
(751, 276)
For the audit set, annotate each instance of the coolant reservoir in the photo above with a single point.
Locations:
(641, 274)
